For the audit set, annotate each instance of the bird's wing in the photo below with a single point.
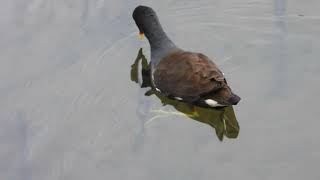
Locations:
(187, 75)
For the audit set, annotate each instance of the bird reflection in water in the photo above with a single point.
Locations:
(222, 119)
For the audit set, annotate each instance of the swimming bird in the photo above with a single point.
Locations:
(178, 74)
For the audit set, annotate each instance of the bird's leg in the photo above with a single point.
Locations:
(194, 112)
(162, 113)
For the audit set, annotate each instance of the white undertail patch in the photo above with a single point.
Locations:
(212, 103)
(178, 98)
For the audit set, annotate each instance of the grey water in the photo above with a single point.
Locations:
(68, 109)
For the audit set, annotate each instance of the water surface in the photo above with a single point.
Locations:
(69, 110)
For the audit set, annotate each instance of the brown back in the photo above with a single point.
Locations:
(187, 75)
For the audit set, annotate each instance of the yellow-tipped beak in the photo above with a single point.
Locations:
(141, 36)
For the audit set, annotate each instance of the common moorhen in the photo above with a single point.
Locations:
(186, 76)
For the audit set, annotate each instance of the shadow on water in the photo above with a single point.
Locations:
(223, 120)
